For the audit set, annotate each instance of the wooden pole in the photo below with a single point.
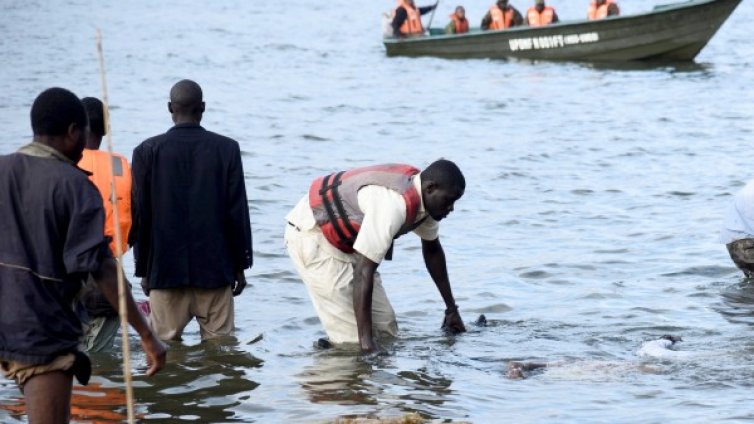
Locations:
(118, 249)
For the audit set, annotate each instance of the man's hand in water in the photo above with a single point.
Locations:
(453, 322)
(156, 353)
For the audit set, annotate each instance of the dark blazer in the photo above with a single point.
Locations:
(190, 212)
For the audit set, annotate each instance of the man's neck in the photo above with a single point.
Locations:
(178, 120)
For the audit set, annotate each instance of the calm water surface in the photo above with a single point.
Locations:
(589, 223)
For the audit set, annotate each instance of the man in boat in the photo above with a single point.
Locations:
(340, 232)
(191, 231)
(501, 16)
(541, 15)
(407, 18)
(103, 319)
(738, 230)
(599, 9)
(52, 241)
(458, 22)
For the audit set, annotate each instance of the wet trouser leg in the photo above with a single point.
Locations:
(329, 283)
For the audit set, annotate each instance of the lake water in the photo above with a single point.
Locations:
(589, 224)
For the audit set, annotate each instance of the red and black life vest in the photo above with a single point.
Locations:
(334, 200)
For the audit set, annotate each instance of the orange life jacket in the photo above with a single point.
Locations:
(536, 18)
(462, 26)
(335, 205)
(413, 23)
(501, 20)
(600, 12)
(101, 165)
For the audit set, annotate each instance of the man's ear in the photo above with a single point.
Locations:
(74, 131)
(170, 107)
(430, 187)
(202, 108)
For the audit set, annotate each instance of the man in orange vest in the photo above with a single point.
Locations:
(458, 22)
(501, 16)
(407, 18)
(101, 166)
(541, 15)
(339, 233)
(599, 9)
(103, 319)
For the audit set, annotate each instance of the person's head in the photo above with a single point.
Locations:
(600, 2)
(95, 110)
(186, 103)
(539, 4)
(58, 119)
(503, 4)
(460, 12)
(442, 185)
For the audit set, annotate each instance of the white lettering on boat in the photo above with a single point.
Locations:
(552, 41)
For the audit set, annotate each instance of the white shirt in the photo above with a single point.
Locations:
(384, 214)
(739, 220)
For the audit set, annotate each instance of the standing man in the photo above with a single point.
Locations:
(340, 232)
(541, 15)
(52, 240)
(407, 18)
(738, 230)
(501, 16)
(103, 319)
(191, 231)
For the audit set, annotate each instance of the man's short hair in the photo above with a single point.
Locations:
(54, 110)
(445, 174)
(95, 110)
(186, 96)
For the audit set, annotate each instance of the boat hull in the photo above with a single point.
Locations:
(669, 33)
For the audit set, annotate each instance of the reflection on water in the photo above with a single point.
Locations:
(202, 382)
(97, 402)
(343, 378)
(738, 302)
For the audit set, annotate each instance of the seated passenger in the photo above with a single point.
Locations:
(599, 9)
(407, 18)
(458, 23)
(502, 16)
(541, 15)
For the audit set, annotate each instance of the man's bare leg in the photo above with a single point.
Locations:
(48, 398)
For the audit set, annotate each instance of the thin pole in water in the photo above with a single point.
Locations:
(122, 312)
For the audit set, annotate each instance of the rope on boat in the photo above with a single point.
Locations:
(122, 312)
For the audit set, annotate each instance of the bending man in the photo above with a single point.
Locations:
(340, 232)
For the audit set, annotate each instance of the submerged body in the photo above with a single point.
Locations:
(659, 348)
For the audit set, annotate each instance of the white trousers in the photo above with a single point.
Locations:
(328, 280)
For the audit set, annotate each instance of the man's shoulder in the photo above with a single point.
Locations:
(223, 141)
(149, 144)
